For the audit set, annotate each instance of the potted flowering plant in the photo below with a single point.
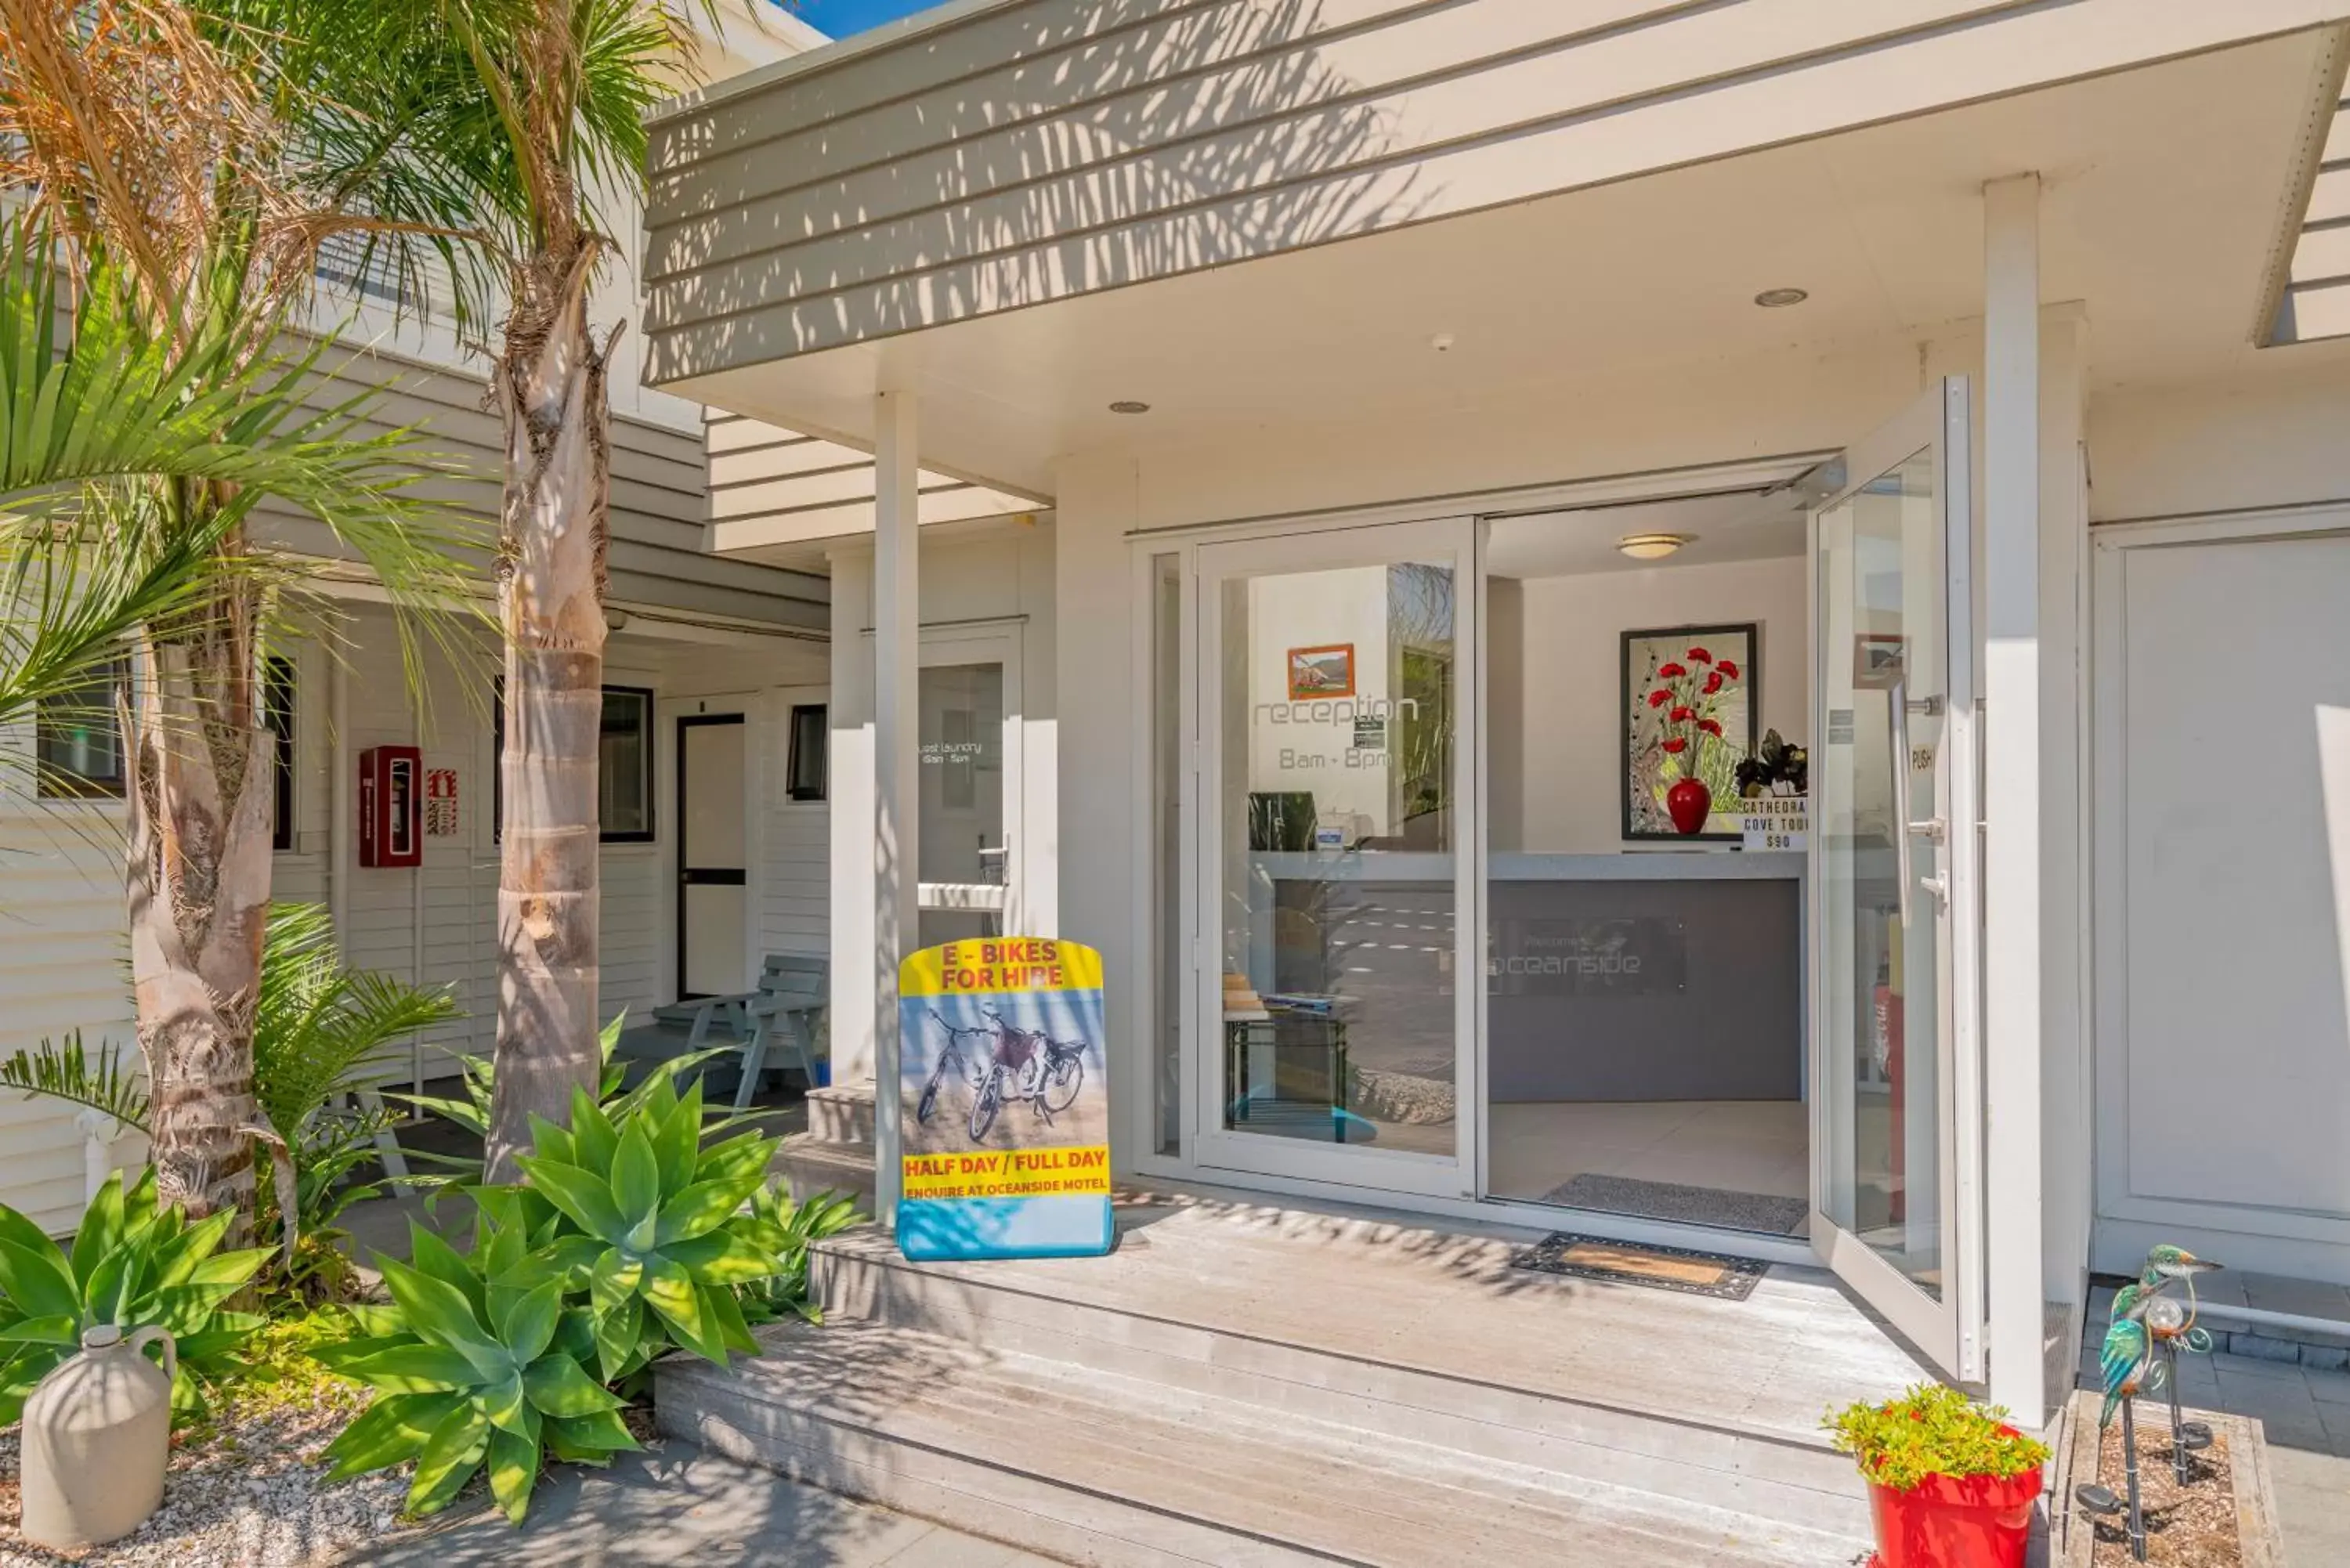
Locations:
(1950, 1484)
(1688, 697)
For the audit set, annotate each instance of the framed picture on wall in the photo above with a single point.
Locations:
(1326, 672)
(1690, 712)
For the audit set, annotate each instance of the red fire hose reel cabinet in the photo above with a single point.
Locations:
(392, 806)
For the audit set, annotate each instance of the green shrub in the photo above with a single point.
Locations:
(798, 1224)
(655, 1219)
(627, 1241)
(473, 1369)
(316, 1025)
(132, 1264)
(478, 1078)
(1931, 1431)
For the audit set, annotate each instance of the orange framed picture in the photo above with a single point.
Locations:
(1326, 672)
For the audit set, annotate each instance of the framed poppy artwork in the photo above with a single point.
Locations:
(1327, 671)
(1689, 718)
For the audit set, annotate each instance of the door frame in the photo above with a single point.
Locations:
(1151, 995)
(987, 642)
(1953, 1330)
(1213, 1148)
(684, 874)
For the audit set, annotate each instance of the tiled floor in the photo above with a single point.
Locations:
(2305, 1411)
(1739, 1146)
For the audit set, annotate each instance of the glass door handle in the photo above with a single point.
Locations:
(1896, 705)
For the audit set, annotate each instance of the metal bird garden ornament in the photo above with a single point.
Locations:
(2143, 1335)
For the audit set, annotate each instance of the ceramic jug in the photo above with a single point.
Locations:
(96, 1435)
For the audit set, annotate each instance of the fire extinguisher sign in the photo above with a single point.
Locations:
(441, 803)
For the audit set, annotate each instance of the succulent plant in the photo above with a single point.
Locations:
(656, 1219)
(477, 1366)
(135, 1262)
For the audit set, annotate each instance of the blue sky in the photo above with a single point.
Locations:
(842, 18)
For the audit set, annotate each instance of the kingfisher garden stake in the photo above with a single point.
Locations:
(2144, 1336)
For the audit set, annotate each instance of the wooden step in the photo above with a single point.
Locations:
(842, 1116)
(1622, 1430)
(809, 1164)
(1095, 1467)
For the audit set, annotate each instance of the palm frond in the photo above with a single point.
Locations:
(88, 416)
(72, 1073)
(315, 1023)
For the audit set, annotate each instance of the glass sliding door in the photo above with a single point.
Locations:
(1894, 878)
(1337, 988)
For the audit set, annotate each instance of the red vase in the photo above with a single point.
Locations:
(1955, 1522)
(1689, 802)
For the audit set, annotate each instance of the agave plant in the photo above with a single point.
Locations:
(476, 1367)
(655, 1219)
(797, 1225)
(132, 1264)
(478, 1078)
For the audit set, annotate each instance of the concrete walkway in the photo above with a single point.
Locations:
(676, 1504)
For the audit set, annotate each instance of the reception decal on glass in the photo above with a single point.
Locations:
(1689, 720)
(1003, 1097)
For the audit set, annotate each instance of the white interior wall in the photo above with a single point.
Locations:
(1560, 678)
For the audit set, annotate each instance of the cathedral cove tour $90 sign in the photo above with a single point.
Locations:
(1003, 1100)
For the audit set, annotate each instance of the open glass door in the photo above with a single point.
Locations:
(1897, 1119)
(1336, 986)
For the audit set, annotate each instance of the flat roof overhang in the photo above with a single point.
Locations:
(2172, 193)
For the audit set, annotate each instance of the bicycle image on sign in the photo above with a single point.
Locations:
(998, 1071)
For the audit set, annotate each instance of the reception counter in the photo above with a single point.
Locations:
(1675, 976)
(1646, 975)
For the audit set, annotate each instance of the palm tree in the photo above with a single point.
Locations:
(153, 143)
(504, 120)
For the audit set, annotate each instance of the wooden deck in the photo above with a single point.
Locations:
(1245, 1382)
(1355, 1284)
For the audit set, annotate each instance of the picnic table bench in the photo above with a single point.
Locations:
(791, 997)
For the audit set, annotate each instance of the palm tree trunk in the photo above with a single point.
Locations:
(198, 884)
(550, 386)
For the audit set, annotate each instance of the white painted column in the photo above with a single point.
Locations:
(2011, 744)
(897, 782)
(2067, 1092)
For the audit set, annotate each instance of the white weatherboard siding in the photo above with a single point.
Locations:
(62, 953)
(64, 964)
(794, 910)
(774, 489)
(985, 160)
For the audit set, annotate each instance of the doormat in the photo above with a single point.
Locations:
(1658, 1268)
(1715, 1206)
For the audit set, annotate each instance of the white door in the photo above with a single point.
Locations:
(1895, 906)
(968, 736)
(713, 909)
(2224, 893)
(1337, 972)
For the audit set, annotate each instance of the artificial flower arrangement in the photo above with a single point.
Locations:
(1688, 697)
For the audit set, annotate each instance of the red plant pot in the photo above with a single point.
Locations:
(1689, 802)
(1955, 1522)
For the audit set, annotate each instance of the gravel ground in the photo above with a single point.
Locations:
(247, 1494)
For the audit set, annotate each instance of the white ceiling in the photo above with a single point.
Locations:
(1720, 529)
(2168, 190)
